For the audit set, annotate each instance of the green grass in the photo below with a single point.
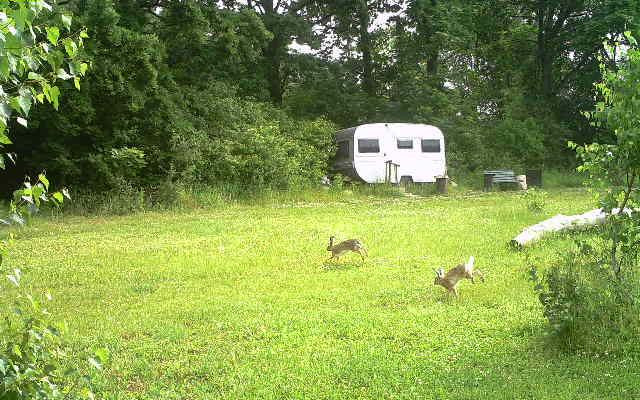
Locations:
(236, 302)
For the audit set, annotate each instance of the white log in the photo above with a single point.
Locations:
(562, 223)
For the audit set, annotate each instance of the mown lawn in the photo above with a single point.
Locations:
(235, 302)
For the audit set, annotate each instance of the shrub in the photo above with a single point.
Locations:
(587, 306)
(535, 199)
(35, 362)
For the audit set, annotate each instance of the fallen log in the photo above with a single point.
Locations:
(560, 223)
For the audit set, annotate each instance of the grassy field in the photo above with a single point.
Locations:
(236, 302)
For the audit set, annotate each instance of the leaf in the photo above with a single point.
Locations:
(4, 67)
(42, 178)
(4, 139)
(22, 121)
(5, 112)
(54, 92)
(20, 17)
(53, 34)
(64, 75)
(24, 100)
(65, 192)
(58, 197)
(70, 47)
(35, 76)
(66, 21)
(76, 82)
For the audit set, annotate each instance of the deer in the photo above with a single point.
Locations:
(346, 246)
(451, 279)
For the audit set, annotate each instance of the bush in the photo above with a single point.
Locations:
(587, 306)
(536, 199)
(35, 362)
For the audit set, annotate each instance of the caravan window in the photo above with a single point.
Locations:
(368, 146)
(430, 146)
(405, 143)
(343, 150)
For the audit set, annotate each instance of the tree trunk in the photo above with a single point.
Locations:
(433, 60)
(365, 47)
(273, 53)
(544, 61)
(274, 73)
(561, 223)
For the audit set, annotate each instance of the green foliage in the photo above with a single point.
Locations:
(170, 97)
(562, 179)
(35, 362)
(251, 144)
(34, 56)
(613, 168)
(588, 307)
(30, 198)
(535, 199)
(337, 182)
(192, 84)
(127, 162)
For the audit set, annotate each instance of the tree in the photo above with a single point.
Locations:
(34, 55)
(614, 168)
(286, 20)
(350, 22)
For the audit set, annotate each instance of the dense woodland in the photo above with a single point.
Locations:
(211, 92)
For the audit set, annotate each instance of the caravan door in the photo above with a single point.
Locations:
(405, 149)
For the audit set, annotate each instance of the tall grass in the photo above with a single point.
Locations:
(129, 199)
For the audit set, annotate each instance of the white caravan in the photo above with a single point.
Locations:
(391, 153)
